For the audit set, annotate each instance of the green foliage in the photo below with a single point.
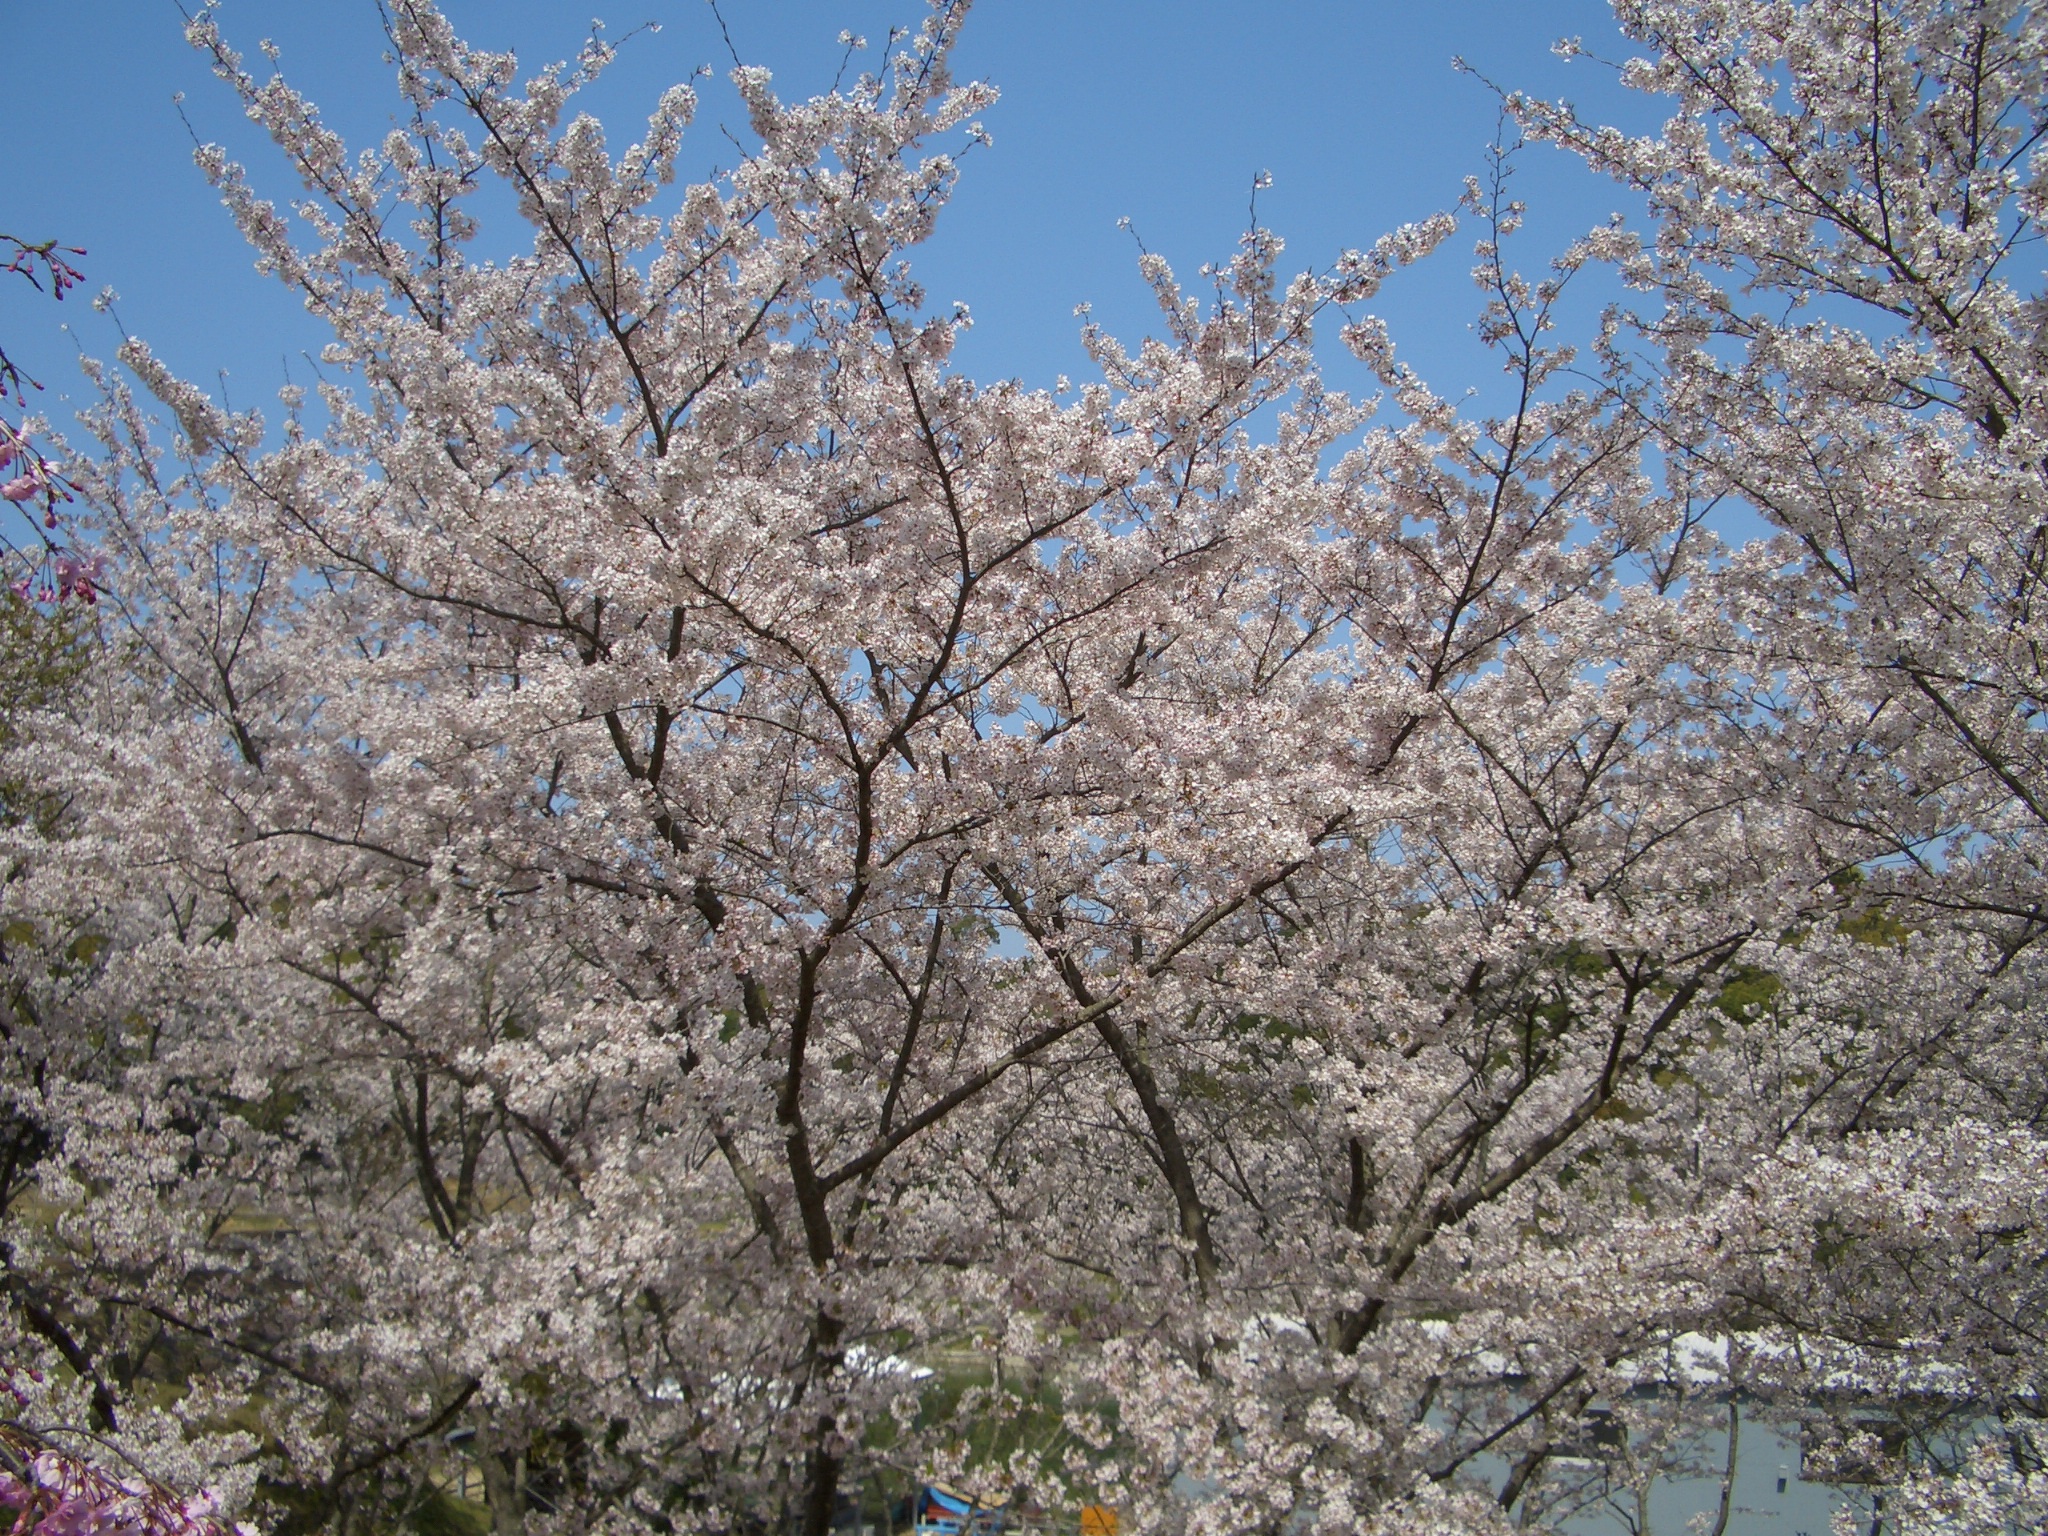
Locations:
(1747, 993)
(441, 1513)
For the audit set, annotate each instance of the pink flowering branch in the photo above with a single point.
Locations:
(53, 1492)
(26, 476)
(37, 263)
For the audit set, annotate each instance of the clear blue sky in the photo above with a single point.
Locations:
(1161, 111)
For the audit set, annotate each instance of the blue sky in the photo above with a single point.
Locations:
(1159, 111)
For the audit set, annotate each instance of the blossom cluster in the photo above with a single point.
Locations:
(52, 1492)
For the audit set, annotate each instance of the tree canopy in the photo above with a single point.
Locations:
(649, 860)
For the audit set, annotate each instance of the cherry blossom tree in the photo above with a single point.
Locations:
(1839, 337)
(652, 853)
(1845, 335)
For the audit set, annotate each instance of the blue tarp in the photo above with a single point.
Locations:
(951, 1504)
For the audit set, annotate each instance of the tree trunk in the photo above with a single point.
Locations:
(505, 1491)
